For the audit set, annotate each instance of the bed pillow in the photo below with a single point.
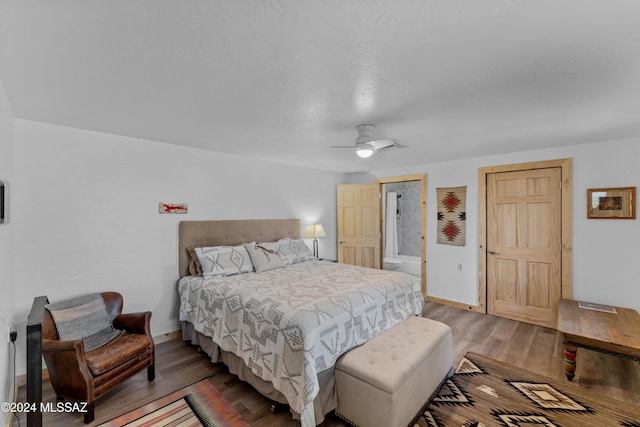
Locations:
(195, 268)
(222, 261)
(264, 256)
(293, 251)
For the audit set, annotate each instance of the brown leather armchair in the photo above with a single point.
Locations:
(81, 376)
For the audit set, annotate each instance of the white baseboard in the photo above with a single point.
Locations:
(450, 303)
(167, 337)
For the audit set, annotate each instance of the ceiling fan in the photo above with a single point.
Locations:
(366, 144)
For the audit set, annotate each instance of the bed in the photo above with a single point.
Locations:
(283, 329)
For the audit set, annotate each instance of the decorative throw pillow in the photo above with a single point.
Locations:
(195, 268)
(264, 256)
(84, 318)
(293, 251)
(221, 261)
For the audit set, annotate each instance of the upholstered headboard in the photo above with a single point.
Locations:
(231, 233)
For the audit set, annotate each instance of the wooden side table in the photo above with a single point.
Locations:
(616, 333)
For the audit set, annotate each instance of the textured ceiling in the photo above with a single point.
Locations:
(285, 80)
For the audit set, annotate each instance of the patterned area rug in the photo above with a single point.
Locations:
(485, 392)
(195, 405)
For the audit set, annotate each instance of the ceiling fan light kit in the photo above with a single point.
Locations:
(365, 151)
(367, 145)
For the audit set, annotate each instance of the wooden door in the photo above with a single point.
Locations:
(359, 224)
(524, 245)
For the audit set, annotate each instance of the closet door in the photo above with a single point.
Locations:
(524, 226)
(359, 224)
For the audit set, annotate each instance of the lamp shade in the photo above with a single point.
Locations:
(313, 231)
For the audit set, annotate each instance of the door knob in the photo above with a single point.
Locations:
(492, 252)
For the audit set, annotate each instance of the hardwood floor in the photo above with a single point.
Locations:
(531, 347)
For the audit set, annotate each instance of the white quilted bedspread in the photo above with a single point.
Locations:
(291, 323)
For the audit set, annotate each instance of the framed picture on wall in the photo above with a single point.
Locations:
(611, 203)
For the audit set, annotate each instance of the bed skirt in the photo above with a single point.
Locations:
(324, 403)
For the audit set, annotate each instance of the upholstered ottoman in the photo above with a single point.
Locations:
(385, 382)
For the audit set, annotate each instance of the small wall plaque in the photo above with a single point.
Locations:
(174, 208)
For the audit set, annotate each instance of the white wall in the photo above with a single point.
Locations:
(606, 253)
(85, 215)
(86, 212)
(6, 249)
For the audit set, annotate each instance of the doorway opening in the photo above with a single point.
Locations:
(403, 225)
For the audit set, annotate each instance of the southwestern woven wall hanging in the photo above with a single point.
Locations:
(452, 215)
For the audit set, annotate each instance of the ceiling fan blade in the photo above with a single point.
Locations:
(343, 146)
(392, 147)
(382, 143)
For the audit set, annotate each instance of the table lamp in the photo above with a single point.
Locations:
(314, 231)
